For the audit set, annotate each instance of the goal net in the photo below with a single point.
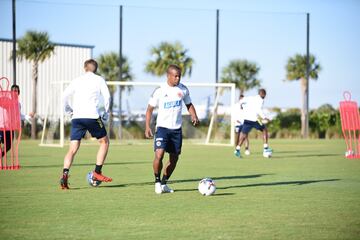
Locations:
(213, 103)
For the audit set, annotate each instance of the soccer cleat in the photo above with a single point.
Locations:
(64, 181)
(158, 188)
(237, 153)
(247, 152)
(165, 189)
(100, 177)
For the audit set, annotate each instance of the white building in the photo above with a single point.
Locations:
(65, 64)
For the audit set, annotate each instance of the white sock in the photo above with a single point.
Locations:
(237, 147)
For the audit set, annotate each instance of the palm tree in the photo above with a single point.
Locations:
(166, 54)
(109, 69)
(36, 48)
(243, 73)
(296, 70)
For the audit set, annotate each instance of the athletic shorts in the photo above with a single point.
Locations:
(238, 128)
(248, 125)
(79, 127)
(168, 139)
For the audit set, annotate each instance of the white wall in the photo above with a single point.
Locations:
(65, 64)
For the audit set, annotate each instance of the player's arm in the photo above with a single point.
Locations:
(262, 115)
(66, 94)
(106, 95)
(149, 111)
(190, 107)
(194, 118)
(153, 102)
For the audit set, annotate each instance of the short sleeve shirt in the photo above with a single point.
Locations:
(169, 102)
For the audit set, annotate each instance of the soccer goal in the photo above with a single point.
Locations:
(213, 103)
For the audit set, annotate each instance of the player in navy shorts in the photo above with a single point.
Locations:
(86, 91)
(168, 136)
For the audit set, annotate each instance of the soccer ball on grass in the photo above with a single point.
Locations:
(91, 181)
(207, 187)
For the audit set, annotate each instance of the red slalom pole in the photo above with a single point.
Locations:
(350, 124)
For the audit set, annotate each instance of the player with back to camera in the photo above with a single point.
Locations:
(168, 135)
(253, 109)
(6, 137)
(87, 91)
(239, 121)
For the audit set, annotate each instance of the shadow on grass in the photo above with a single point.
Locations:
(279, 183)
(81, 164)
(190, 180)
(307, 155)
(266, 184)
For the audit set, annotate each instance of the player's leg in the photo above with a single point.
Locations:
(69, 157)
(173, 147)
(168, 170)
(160, 141)
(246, 128)
(97, 129)
(237, 141)
(68, 160)
(247, 146)
(77, 133)
(100, 159)
(267, 150)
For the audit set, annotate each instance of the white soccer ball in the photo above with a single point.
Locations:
(267, 154)
(91, 181)
(207, 187)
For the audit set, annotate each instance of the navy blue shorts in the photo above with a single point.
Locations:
(248, 125)
(238, 128)
(79, 127)
(168, 139)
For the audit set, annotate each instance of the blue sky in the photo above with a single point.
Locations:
(263, 31)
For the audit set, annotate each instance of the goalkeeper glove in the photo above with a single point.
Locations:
(105, 116)
(68, 110)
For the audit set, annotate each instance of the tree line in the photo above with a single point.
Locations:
(36, 47)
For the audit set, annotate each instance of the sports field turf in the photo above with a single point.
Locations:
(308, 190)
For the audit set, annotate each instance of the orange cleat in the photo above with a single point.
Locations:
(101, 178)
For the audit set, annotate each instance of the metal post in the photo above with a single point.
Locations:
(120, 71)
(306, 130)
(217, 47)
(14, 40)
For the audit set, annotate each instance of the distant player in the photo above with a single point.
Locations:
(6, 137)
(253, 109)
(239, 121)
(168, 135)
(86, 91)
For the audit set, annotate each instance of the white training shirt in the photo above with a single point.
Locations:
(87, 91)
(169, 102)
(252, 108)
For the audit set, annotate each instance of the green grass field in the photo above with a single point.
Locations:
(308, 190)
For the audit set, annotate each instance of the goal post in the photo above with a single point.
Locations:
(220, 90)
(213, 102)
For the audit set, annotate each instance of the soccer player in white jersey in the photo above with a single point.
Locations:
(168, 136)
(253, 109)
(239, 121)
(87, 91)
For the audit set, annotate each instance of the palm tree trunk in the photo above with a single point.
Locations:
(33, 99)
(304, 109)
